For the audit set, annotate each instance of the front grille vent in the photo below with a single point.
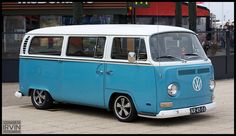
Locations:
(203, 70)
(186, 72)
(193, 71)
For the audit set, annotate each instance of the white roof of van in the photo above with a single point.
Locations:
(111, 29)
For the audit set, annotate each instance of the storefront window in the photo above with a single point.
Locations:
(47, 21)
(67, 20)
(185, 22)
(201, 24)
(14, 24)
(14, 29)
(89, 19)
(164, 21)
(144, 20)
(32, 22)
(97, 19)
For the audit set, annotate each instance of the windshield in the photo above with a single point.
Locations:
(176, 47)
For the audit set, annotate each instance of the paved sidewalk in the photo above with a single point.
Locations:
(65, 118)
(8, 95)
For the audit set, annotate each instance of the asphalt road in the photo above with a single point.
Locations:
(66, 118)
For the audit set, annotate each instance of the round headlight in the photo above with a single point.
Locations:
(212, 84)
(172, 89)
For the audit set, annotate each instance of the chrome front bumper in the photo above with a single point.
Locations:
(179, 112)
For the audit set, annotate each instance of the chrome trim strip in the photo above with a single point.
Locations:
(82, 60)
(178, 112)
(46, 57)
(178, 63)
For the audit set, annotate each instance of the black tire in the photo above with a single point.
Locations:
(124, 109)
(41, 99)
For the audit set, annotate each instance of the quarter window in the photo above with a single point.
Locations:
(122, 46)
(46, 45)
(86, 46)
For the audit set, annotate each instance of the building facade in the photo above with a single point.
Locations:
(163, 13)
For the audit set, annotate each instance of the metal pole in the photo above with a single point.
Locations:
(192, 16)
(77, 12)
(134, 15)
(132, 11)
(178, 14)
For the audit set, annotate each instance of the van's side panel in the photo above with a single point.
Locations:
(136, 80)
(40, 73)
(82, 82)
(23, 77)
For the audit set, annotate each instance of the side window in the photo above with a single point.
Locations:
(46, 45)
(86, 46)
(122, 46)
(142, 53)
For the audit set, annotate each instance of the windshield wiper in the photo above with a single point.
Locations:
(194, 55)
(171, 57)
(191, 54)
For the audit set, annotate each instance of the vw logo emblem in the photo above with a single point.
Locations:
(197, 83)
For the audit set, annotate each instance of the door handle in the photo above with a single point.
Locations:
(109, 72)
(99, 72)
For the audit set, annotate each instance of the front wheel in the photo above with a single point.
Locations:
(124, 109)
(41, 99)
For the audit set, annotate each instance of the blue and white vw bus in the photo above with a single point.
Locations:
(150, 71)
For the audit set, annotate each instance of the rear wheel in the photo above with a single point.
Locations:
(41, 99)
(124, 109)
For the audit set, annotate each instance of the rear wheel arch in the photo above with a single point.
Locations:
(32, 89)
(41, 100)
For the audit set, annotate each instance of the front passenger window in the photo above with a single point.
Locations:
(122, 46)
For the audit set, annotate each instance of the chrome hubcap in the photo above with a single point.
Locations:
(122, 107)
(39, 97)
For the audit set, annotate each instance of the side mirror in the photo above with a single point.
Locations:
(131, 57)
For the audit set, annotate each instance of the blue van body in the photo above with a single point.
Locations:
(147, 88)
(93, 82)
